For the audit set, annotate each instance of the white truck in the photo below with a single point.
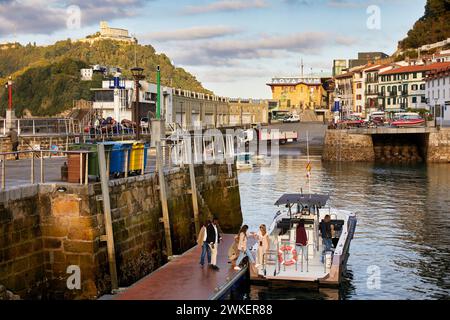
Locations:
(277, 135)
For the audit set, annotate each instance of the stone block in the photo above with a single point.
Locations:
(67, 205)
(74, 246)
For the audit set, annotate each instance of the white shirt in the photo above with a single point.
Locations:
(206, 235)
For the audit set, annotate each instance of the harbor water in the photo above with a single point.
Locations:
(401, 247)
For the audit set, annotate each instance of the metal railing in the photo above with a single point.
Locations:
(268, 257)
(42, 156)
(25, 171)
(48, 126)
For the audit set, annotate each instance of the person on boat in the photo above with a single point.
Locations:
(326, 229)
(243, 248)
(301, 240)
(213, 238)
(233, 252)
(263, 244)
(201, 241)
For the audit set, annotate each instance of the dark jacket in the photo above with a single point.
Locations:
(325, 230)
(301, 237)
(211, 234)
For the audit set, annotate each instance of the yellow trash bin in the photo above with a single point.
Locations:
(137, 157)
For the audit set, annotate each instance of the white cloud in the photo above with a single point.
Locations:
(193, 33)
(47, 17)
(226, 5)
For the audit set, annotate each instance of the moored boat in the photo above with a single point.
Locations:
(286, 261)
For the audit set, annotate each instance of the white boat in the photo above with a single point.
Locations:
(283, 262)
(244, 161)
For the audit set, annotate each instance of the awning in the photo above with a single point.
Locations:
(304, 199)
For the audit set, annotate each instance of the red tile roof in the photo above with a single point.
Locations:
(345, 75)
(416, 68)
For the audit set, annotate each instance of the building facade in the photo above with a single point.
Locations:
(438, 94)
(339, 67)
(108, 33)
(297, 94)
(403, 88)
(344, 92)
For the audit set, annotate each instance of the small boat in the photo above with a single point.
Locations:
(244, 161)
(408, 120)
(283, 262)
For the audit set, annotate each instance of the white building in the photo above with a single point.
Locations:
(403, 88)
(86, 74)
(438, 93)
(443, 56)
(116, 100)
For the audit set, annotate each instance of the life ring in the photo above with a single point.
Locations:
(293, 252)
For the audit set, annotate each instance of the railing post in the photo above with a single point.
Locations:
(3, 172)
(143, 159)
(42, 167)
(126, 164)
(86, 174)
(34, 128)
(81, 168)
(32, 167)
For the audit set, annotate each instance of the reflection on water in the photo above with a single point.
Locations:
(403, 224)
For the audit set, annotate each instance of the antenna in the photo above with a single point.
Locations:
(302, 66)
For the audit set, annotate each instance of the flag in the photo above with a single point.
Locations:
(308, 169)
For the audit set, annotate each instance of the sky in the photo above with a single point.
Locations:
(234, 47)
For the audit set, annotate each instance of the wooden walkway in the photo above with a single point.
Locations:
(184, 279)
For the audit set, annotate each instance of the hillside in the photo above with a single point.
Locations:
(32, 68)
(434, 26)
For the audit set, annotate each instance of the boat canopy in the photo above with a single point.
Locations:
(309, 200)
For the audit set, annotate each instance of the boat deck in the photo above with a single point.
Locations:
(312, 271)
(184, 279)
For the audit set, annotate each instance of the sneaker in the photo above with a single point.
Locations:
(216, 268)
(237, 268)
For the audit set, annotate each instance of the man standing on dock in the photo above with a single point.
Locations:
(213, 238)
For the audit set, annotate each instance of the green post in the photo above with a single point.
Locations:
(158, 98)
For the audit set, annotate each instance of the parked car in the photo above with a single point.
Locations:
(292, 119)
(352, 122)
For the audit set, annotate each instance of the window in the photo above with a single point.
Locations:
(358, 97)
(414, 99)
(389, 89)
(422, 87)
(414, 87)
(415, 75)
(359, 85)
(389, 101)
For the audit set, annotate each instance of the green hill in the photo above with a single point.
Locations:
(433, 27)
(47, 78)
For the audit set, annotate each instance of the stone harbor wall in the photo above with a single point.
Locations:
(403, 147)
(46, 229)
(339, 145)
(439, 146)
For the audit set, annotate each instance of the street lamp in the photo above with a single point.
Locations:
(138, 74)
